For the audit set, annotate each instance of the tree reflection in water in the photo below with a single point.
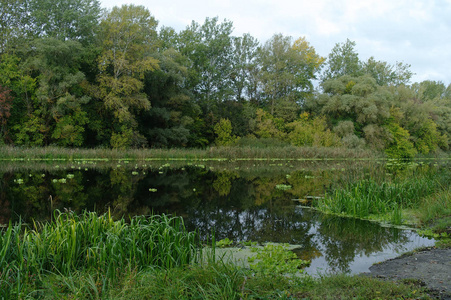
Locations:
(232, 204)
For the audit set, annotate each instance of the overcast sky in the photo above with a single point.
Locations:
(411, 31)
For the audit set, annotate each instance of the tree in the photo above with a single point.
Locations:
(386, 74)
(59, 98)
(22, 86)
(128, 40)
(429, 90)
(243, 66)
(358, 100)
(342, 60)
(307, 131)
(173, 111)
(223, 131)
(14, 24)
(209, 48)
(287, 71)
(5, 108)
(66, 19)
(400, 145)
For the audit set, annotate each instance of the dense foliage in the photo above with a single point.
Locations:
(74, 75)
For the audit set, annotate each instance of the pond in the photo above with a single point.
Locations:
(240, 200)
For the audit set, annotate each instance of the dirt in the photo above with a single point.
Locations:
(430, 267)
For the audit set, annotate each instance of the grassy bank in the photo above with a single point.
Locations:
(94, 257)
(422, 199)
(212, 153)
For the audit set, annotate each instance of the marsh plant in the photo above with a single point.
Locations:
(71, 243)
(366, 197)
(275, 259)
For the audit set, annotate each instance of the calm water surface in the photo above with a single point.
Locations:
(248, 201)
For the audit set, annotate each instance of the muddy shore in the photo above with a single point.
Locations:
(431, 267)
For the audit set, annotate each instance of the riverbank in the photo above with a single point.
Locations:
(429, 267)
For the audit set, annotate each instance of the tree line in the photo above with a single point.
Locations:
(75, 75)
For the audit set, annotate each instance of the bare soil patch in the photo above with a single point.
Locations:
(430, 266)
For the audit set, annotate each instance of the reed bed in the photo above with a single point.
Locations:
(212, 153)
(90, 242)
(367, 197)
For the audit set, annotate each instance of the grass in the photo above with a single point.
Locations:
(212, 153)
(224, 281)
(370, 197)
(71, 243)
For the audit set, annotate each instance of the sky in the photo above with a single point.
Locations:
(414, 32)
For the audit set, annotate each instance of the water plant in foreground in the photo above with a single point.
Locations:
(81, 242)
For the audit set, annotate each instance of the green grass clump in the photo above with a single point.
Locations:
(225, 281)
(70, 243)
(367, 197)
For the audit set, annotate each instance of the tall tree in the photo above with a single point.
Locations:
(287, 71)
(128, 39)
(209, 47)
(386, 74)
(6, 101)
(14, 24)
(66, 19)
(342, 60)
(57, 114)
(244, 64)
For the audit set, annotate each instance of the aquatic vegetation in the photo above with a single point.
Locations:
(367, 197)
(224, 243)
(283, 187)
(69, 243)
(275, 259)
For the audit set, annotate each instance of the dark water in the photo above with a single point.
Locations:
(242, 202)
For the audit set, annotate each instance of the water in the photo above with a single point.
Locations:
(249, 201)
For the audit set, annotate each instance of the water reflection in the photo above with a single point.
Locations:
(240, 206)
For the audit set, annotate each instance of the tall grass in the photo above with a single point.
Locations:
(212, 153)
(71, 242)
(367, 197)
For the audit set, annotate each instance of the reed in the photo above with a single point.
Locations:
(212, 153)
(367, 197)
(88, 241)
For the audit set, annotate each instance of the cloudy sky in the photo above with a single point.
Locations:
(416, 32)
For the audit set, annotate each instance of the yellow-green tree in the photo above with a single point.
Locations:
(223, 131)
(307, 131)
(128, 39)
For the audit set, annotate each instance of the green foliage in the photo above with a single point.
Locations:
(209, 47)
(287, 71)
(274, 259)
(311, 132)
(343, 60)
(70, 243)
(123, 139)
(266, 126)
(224, 243)
(369, 197)
(82, 77)
(128, 36)
(69, 130)
(66, 20)
(30, 133)
(400, 146)
(223, 130)
(428, 138)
